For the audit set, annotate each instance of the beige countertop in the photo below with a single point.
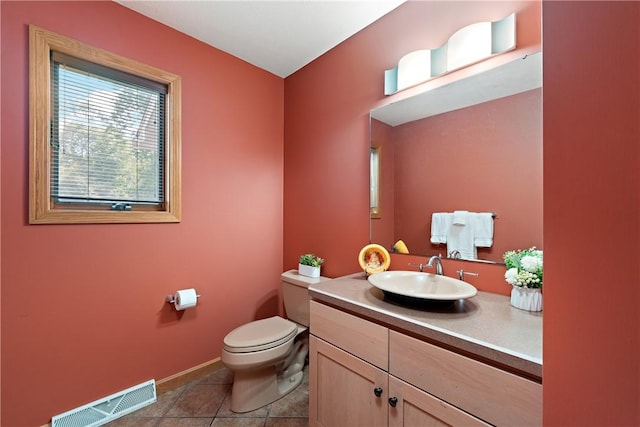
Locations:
(485, 326)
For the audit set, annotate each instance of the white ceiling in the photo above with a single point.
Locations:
(278, 36)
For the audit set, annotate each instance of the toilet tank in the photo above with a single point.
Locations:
(295, 292)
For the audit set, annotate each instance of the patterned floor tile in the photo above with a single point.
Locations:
(238, 422)
(201, 400)
(185, 422)
(287, 422)
(225, 411)
(206, 402)
(134, 422)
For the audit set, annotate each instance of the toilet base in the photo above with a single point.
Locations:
(255, 388)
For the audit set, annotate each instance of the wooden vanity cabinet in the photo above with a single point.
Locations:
(416, 408)
(496, 396)
(363, 374)
(347, 391)
(348, 364)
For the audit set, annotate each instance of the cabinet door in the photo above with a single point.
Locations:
(416, 408)
(498, 397)
(343, 389)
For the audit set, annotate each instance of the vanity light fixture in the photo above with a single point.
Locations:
(466, 46)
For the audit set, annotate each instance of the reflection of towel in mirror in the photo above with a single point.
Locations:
(460, 217)
(440, 223)
(483, 233)
(460, 238)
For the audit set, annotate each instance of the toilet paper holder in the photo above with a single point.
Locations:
(172, 298)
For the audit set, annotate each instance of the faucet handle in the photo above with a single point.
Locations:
(420, 266)
(461, 274)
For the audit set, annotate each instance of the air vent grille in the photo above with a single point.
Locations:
(109, 408)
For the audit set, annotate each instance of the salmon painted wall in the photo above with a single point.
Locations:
(327, 104)
(83, 311)
(591, 115)
(484, 158)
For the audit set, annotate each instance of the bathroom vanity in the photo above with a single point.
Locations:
(475, 362)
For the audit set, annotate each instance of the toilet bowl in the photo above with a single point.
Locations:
(267, 356)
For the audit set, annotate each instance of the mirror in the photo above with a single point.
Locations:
(473, 145)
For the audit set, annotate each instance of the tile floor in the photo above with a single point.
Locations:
(205, 402)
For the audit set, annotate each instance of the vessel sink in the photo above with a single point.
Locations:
(422, 286)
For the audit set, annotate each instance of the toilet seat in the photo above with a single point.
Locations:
(260, 335)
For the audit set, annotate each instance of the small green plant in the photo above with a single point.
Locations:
(311, 259)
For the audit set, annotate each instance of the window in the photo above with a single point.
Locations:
(104, 136)
(374, 182)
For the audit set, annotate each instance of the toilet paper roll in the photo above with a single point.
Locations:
(185, 298)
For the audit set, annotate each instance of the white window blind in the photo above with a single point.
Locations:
(107, 136)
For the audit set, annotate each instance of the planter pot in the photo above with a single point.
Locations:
(309, 271)
(526, 299)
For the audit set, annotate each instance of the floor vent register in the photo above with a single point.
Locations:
(109, 408)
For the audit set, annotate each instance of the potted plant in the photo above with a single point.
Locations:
(309, 265)
(524, 273)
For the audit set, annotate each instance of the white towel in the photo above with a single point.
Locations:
(460, 217)
(460, 238)
(483, 224)
(440, 223)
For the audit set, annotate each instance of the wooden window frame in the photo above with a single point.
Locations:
(375, 211)
(41, 207)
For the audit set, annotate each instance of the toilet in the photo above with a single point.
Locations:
(267, 356)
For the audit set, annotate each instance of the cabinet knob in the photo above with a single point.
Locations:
(377, 391)
(393, 401)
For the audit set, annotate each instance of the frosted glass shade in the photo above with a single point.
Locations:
(471, 44)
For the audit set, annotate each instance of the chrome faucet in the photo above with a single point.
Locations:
(438, 262)
(455, 254)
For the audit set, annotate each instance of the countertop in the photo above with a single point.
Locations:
(485, 326)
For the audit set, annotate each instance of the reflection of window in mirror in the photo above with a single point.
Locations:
(374, 182)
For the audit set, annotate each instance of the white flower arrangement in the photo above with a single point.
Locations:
(524, 268)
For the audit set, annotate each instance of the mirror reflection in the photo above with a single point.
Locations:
(473, 145)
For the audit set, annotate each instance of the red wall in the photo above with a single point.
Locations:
(63, 317)
(327, 104)
(591, 115)
(485, 158)
(83, 311)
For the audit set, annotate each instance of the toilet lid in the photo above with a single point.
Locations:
(260, 335)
